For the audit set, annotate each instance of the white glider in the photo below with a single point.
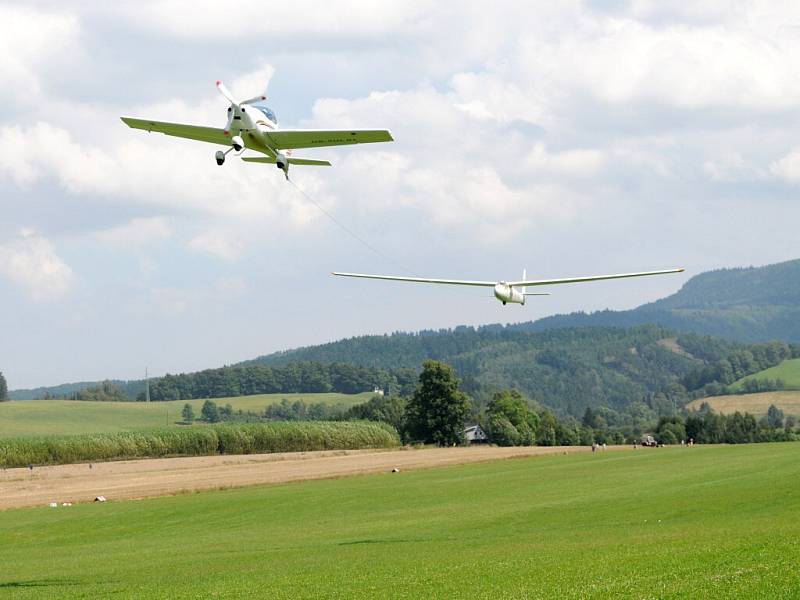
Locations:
(253, 125)
(510, 291)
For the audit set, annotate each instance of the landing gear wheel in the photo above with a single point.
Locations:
(504, 303)
(220, 156)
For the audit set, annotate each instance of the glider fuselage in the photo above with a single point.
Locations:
(508, 293)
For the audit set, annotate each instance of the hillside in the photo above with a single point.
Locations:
(745, 304)
(566, 369)
(788, 372)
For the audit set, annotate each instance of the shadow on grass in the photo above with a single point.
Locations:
(357, 542)
(33, 583)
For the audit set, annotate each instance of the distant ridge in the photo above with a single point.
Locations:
(752, 304)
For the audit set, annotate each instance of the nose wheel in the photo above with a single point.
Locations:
(237, 144)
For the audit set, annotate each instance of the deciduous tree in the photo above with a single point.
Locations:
(210, 412)
(188, 413)
(3, 388)
(438, 409)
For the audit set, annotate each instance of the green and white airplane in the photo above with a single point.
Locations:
(252, 125)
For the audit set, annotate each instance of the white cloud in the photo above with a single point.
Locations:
(33, 43)
(217, 243)
(30, 262)
(342, 19)
(731, 166)
(788, 167)
(579, 162)
(28, 154)
(137, 232)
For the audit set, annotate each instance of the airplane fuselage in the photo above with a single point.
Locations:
(252, 125)
(508, 293)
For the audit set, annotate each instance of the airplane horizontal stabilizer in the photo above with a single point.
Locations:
(292, 161)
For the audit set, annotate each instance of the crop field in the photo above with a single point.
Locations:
(788, 371)
(755, 404)
(202, 440)
(675, 522)
(65, 417)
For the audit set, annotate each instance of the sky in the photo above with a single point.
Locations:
(568, 138)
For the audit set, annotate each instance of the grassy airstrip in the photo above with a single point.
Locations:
(64, 417)
(651, 523)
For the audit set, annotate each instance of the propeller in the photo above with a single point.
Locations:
(227, 93)
(229, 97)
(234, 104)
(255, 99)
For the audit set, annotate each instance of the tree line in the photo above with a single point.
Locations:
(438, 410)
(301, 377)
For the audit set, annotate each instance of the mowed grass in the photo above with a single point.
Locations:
(65, 417)
(788, 371)
(701, 522)
(755, 404)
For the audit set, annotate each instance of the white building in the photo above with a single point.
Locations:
(474, 434)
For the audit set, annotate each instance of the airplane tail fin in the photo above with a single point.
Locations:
(524, 278)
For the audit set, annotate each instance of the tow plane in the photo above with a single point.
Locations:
(513, 292)
(252, 125)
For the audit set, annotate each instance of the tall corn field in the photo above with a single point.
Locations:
(243, 438)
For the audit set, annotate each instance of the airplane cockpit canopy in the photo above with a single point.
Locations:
(269, 113)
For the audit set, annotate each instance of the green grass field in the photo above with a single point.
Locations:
(788, 371)
(755, 404)
(65, 417)
(702, 522)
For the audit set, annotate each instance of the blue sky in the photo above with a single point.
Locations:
(567, 138)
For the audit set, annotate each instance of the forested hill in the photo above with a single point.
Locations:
(566, 369)
(69, 390)
(746, 304)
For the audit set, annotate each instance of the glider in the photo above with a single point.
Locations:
(510, 291)
(253, 125)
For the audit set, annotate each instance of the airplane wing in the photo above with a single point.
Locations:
(212, 135)
(590, 278)
(511, 283)
(299, 138)
(419, 279)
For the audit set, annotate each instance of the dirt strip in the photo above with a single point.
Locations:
(167, 476)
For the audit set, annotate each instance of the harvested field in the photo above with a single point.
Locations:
(756, 404)
(168, 476)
